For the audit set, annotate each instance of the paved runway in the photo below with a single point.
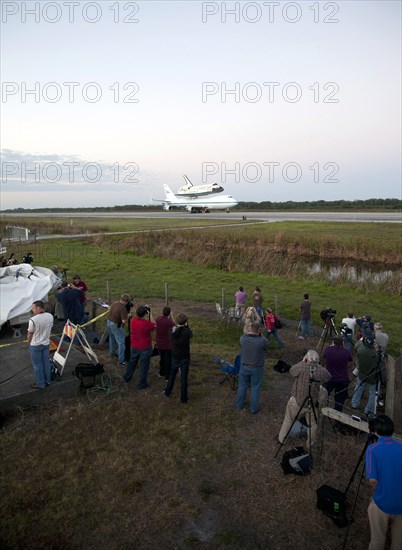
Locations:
(361, 217)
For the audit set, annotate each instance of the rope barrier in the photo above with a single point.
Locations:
(58, 334)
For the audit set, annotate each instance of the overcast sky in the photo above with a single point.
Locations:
(103, 102)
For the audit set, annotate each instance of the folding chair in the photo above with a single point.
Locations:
(222, 313)
(230, 371)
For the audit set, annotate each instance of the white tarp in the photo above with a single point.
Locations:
(20, 286)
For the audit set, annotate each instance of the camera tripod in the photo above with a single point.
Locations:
(328, 331)
(311, 414)
(371, 438)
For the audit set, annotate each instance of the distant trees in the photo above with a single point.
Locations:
(368, 204)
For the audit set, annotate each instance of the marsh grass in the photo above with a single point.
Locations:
(48, 225)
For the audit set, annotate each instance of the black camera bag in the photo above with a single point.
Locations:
(332, 503)
(296, 461)
(88, 371)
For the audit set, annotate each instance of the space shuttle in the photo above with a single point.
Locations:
(190, 190)
(197, 204)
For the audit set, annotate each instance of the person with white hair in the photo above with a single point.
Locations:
(308, 368)
(381, 339)
(251, 317)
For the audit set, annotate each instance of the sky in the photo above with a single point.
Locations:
(104, 102)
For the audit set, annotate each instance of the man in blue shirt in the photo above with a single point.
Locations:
(253, 347)
(384, 472)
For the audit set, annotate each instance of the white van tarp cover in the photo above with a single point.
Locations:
(20, 286)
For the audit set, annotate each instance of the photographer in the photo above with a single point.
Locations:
(368, 373)
(141, 345)
(347, 336)
(270, 325)
(384, 473)
(70, 298)
(337, 359)
(366, 327)
(164, 325)
(305, 321)
(349, 321)
(180, 339)
(117, 318)
(307, 369)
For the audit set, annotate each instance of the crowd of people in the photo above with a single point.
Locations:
(12, 260)
(172, 344)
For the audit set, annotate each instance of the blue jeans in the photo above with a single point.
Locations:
(144, 357)
(249, 377)
(359, 389)
(305, 326)
(116, 340)
(275, 334)
(183, 365)
(41, 365)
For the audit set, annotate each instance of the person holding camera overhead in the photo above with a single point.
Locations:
(180, 339)
(69, 296)
(141, 345)
(164, 324)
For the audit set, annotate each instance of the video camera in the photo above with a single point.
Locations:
(328, 313)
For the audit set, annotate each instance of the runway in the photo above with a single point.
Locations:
(332, 217)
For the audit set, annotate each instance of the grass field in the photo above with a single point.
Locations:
(202, 265)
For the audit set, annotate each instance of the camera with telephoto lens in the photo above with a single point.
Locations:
(328, 313)
(345, 330)
(148, 308)
(129, 305)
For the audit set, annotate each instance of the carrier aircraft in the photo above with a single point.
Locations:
(196, 204)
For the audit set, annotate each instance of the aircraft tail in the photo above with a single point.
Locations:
(169, 195)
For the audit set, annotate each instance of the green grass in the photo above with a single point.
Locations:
(47, 224)
(144, 277)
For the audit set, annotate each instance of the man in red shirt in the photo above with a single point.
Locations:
(270, 319)
(164, 325)
(79, 283)
(141, 345)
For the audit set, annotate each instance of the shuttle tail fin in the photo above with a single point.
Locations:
(188, 182)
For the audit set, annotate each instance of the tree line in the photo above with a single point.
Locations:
(368, 204)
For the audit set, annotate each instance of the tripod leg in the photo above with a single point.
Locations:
(361, 458)
(290, 418)
(323, 337)
(313, 426)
